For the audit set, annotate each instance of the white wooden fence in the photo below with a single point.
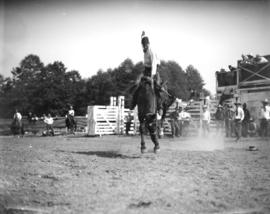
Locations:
(106, 120)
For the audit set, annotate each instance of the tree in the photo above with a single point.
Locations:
(29, 68)
(195, 82)
(175, 77)
(51, 88)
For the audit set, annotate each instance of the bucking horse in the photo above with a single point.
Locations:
(146, 100)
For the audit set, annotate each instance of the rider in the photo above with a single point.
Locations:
(150, 74)
(71, 113)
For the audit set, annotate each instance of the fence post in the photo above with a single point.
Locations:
(135, 116)
(120, 118)
(91, 120)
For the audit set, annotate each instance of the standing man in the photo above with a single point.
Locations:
(205, 120)
(150, 74)
(265, 119)
(129, 119)
(219, 115)
(238, 118)
(228, 117)
(184, 118)
(17, 115)
(245, 121)
(17, 125)
(174, 123)
(49, 125)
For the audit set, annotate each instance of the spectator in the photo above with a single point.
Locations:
(238, 118)
(231, 68)
(205, 121)
(49, 124)
(129, 119)
(17, 115)
(228, 118)
(30, 117)
(17, 125)
(260, 59)
(219, 116)
(245, 121)
(252, 128)
(265, 118)
(184, 118)
(174, 122)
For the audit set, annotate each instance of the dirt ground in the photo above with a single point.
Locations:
(66, 174)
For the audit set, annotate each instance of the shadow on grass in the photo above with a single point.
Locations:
(103, 154)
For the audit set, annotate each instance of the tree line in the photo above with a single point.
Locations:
(38, 88)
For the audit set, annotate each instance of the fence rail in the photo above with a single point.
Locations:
(38, 126)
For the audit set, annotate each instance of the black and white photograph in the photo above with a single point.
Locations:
(134, 106)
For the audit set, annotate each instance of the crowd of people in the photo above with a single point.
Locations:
(46, 118)
(238, 121)
(180, 120)
(232, 120)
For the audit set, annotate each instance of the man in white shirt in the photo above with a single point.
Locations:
(238, 118)
(265, 118)
(184, 120)
(206, 118)
(49, 124)
(17, 115)
(17, 125)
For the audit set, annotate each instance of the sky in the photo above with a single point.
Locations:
(91, 35)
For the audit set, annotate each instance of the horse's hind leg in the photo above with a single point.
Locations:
(143, 147)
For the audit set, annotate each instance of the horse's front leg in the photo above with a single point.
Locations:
(143, 147)
(152, 127)
(160, 129)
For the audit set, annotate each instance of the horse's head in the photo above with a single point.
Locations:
(167, 100)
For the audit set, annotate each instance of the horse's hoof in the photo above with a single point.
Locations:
(143, 150)
(156, 149)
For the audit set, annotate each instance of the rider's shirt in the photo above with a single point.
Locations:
(265, 113)
(71, 112)
(18, 115)
(151, 60)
